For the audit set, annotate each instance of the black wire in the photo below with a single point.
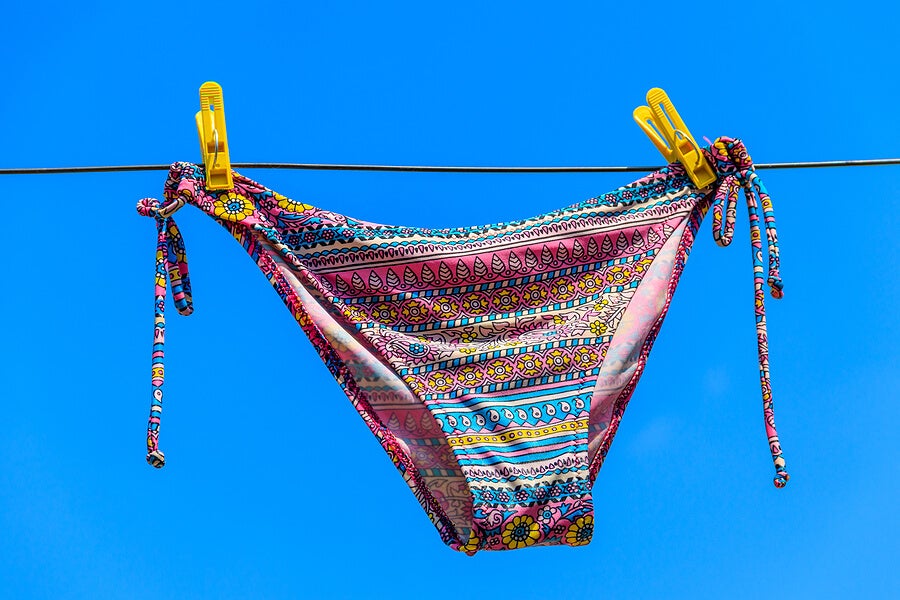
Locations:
(442, 169)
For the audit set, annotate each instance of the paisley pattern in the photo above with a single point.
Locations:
(493, 363)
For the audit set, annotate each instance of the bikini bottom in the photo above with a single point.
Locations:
(492, 363)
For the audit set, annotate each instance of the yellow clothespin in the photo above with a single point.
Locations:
(213, 138)
(662, 124)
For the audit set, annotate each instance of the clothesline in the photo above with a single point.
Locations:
(443, 169)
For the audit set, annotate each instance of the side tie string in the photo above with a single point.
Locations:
(171, 267)
(742, 174)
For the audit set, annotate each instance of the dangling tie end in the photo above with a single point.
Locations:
(781, 479)
(157, 459)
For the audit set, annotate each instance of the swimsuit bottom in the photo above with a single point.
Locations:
(492, 363)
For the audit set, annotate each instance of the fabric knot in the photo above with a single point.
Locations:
(151, 207)
(730, 156)
(781, 479)
(148, 207)
(736, 171)
(735, 168)
(156, 459)
(171, 269)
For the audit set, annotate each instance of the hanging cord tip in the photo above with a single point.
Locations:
(781, 479)
(157, 459)
(781, 474)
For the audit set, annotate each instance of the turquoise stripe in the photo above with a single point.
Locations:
(476, 448)
(577, 388)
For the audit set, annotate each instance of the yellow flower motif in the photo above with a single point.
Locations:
(471, 546)
(618, 275)
(522, 531)
(440, 381)
(384, 313)
(415, 311)
(468, 335)
(590, 283)
(558, 320)
(535, 294)
(289, 205)
(445, 308)
(641, 265)
(562, 289)
(506, 300)
(232, 207)
(598, 327)
(469, 375)
(354, 314)
(557, 361)
(413, 383)
(529, 364)
(475, 303)
(499, 370)
(585, 356)
(581, 531)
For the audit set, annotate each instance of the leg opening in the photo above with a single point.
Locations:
(390, 403)
(627, 353)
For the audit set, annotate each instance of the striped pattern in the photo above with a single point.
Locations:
(493, 363)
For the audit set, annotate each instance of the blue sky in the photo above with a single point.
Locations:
(274, 487)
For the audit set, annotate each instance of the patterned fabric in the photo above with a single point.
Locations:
(493, 363)
(172, 261)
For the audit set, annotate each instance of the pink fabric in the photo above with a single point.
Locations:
(493, 363)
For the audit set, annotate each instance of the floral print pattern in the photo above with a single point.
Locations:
(520, 532)
(232, 207)
(580, 532)
(289, 205)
